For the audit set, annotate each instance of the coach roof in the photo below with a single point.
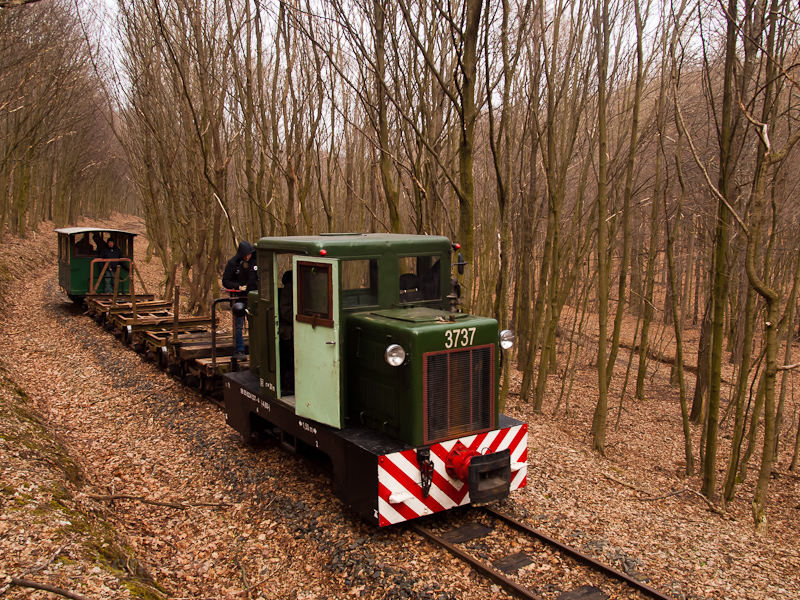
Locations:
(77, 230)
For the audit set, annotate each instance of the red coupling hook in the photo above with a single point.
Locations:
(457, 462)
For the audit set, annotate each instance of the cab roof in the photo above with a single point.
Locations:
(346, 245)
(77, 230)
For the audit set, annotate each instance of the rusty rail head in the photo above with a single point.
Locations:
(578, 555)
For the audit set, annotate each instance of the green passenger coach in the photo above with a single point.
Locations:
(80, 268)
(358, 352)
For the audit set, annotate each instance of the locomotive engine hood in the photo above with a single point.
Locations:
(445, 387)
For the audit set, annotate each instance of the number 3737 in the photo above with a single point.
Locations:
(459, 338)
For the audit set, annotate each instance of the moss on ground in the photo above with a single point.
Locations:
(45, 495)
(21, 427)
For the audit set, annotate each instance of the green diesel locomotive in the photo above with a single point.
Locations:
(358, 353)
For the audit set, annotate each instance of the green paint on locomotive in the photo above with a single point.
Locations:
(445, 388)
(382, 289)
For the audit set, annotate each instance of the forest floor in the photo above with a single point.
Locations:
(85, 421)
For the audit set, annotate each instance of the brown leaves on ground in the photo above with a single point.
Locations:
(118, 482)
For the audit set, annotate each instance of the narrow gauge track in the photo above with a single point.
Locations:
(168, 348)
(500, 569)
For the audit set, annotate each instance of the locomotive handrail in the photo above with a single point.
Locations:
(229, 300)
(176, 308)
(272, 367)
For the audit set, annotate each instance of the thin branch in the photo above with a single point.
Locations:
(761, 128)
(143, 500)
(46, 587)
(246, 590)
(627, 485)
(50, 560)
(649, 497)
(710, 504)
(788, 367)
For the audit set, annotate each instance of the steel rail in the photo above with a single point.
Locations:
(510, 586)
(579, 556)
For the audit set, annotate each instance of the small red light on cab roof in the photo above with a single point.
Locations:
(323, 252)
(457, 246)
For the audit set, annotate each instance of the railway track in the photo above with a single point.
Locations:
(516, 571)
(510, 562)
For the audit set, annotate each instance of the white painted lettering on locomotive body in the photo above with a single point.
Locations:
(459, 338)
(307, 427)
(260, 401)
(267, 384)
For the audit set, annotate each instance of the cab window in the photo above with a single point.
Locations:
(314, 294)
(420, 278)
(359, 282)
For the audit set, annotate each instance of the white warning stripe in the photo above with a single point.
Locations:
(415, 504)
(519, 478)
(388, 512)
(488, 441)
(436, 492)
(519, 451)
(411, 470)
(409, 467)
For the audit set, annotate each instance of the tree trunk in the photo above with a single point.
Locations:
(602, 34)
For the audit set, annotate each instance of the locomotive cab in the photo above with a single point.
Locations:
(331, 279)
(378, 373)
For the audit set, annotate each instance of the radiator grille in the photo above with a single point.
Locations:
(459, 392)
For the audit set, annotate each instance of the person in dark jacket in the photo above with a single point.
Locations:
(241, 276)
(110, 250)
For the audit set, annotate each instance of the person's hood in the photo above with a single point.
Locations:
(245, 248)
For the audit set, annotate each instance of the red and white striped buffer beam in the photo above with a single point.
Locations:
(400, 491)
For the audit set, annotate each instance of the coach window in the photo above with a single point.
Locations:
(359, 282)
(63, 250)
(314, 294)
(125, 243)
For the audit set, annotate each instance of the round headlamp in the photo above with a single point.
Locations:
(395, 355)
(506, 339)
